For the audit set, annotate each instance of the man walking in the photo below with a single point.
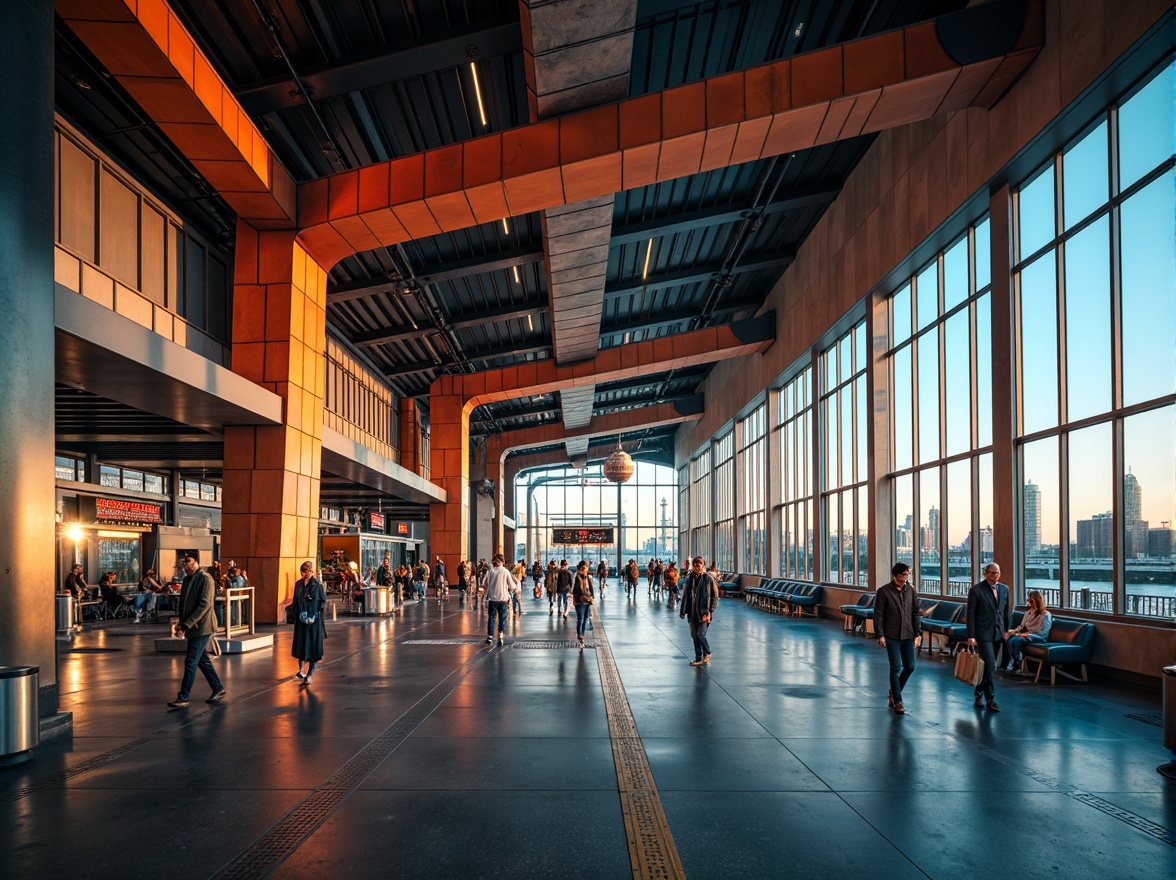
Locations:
(988, 621)
(197, 624)
(499, 585)
(896, 621)
(698, 604)
(563, 588)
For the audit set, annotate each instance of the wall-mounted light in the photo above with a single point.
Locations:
(478, 92)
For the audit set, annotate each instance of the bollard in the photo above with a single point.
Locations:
(334, 611)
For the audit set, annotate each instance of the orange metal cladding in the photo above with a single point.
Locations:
(498, 446)
(271, 474)
(820, 97)
(453, 398)
(143, 45)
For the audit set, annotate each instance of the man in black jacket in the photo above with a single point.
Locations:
(699, 601)
(896, 621)
(988, 621)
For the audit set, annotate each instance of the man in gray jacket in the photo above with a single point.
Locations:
(699, 601)
(197, 624)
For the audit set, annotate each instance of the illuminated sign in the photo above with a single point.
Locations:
(402, 528)
(582, 536)
(376, 521)
(116, 510)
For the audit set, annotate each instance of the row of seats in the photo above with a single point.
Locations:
(789, 597)
(1070, 641)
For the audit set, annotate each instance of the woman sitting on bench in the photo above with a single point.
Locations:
(1034, 628)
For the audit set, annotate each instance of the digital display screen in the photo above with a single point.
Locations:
(582, 536)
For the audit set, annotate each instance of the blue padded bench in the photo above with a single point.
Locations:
(950, 621)
(863, 611)
(1070, 641)
(802, 597)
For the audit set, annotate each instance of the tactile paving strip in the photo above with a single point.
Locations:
(290, 831)
(556, 643)
(652, 853)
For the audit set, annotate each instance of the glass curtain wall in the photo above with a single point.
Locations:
(752, 468)
(795, 445)
(684, 509)
(724, 556)
(844, 454)
(643, 517)
(941, 402)
(1096, 320)
(701, 515)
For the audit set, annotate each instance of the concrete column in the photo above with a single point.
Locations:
(26, 340)
(271, 474)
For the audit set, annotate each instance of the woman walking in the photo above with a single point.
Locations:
(583, 595)
(309, 629)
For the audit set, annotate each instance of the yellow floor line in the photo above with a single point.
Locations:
(652, 853)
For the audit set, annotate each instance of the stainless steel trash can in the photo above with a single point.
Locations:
(65, 613)
(375, 601)
(20, 729)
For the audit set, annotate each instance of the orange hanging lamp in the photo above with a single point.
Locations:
(619, 466)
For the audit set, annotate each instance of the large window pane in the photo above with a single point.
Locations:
(928, 396)
(1149, 292)
(904, 529)
(900, 315)
(957, 366)
(1088, 322)
(1092, 529)
(984, 490)
(1035, 213)
(955, 274)
(929, 578)
(847, 440)
(1038, 345)
(959, 527)
(927, 294)
(903, 410)
(984, 371)
(1040, 497)
(848, 536)
(983, 258)
(1085, 185)
(832, 530)
(862, 420)
(1146, 127)
(1149, 512)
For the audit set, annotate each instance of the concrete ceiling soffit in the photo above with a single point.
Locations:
(576, 404)
(577, 56)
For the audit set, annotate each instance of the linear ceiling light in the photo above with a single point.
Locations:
(478, 92)
(648, 251)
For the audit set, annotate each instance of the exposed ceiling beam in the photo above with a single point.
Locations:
(477, 265)
(333, 81)
(716, 216)
(469, 356)
(615, 290)
(359, 288)
(505, 313)
(668, 319)
(391, 334)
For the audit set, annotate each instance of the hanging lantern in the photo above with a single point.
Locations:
(619, 466)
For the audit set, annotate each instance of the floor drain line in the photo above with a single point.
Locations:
(1152, 718)
(280, 841)
(652, 853)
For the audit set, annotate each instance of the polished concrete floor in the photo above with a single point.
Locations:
(409, 757)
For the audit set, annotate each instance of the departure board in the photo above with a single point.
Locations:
(582, 536)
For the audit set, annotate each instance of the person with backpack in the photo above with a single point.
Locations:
(583, 597)
(602, 576)
(563, 588)
(420, 579)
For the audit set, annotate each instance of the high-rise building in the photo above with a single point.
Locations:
(1031, 503)
(1132, 498)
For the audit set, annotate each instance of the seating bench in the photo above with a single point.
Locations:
(949, 621)
(801, 597)
(863, 610)
(1070, 641)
